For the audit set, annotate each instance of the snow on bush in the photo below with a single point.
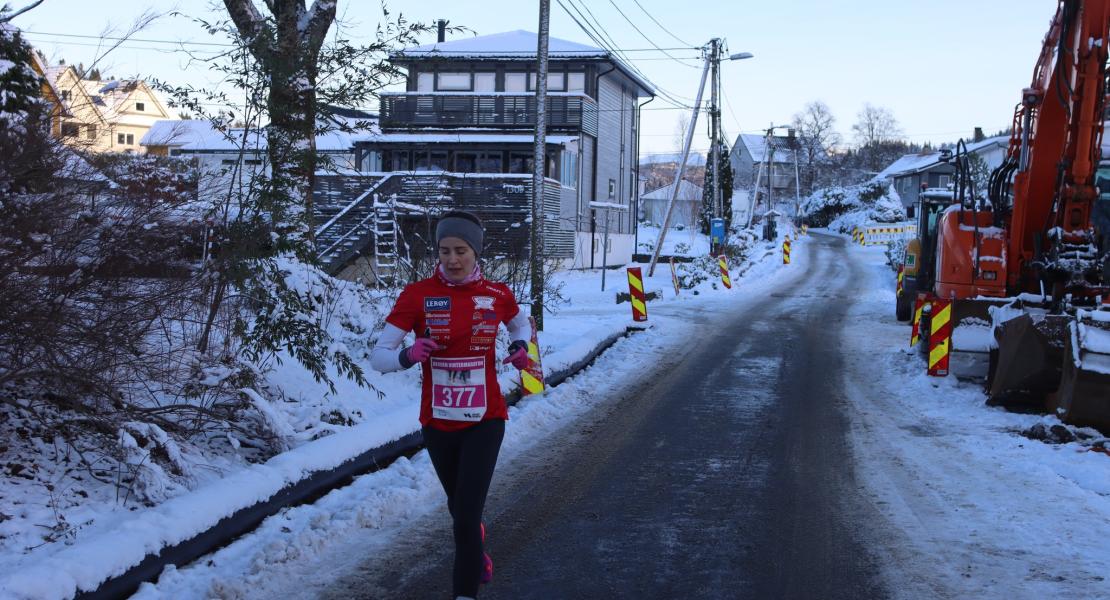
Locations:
(844, 208)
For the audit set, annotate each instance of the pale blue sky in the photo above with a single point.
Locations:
(942, 67)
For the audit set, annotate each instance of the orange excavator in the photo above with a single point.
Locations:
(1027, 260)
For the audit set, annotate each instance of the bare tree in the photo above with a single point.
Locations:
(817, 138)
(874, 128)
(287, 43)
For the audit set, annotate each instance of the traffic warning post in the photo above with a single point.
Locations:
(786, 251)
(915, 331)
(901, 275)
(674, 277)
(725, 279)
(805, 229)
(636, 292)
(531, 377)
(940, 337)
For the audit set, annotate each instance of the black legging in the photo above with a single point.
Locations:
(464, 461)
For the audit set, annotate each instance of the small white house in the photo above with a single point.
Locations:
(653, 205)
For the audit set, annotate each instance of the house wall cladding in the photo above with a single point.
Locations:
(585, 183)
(614, 150)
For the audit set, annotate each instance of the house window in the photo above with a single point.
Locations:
(568, 169)
(91, 132)
(130, 139)
(140, 106)
(70, 129)
(425, 82)
(576, 82)
(520, 162)
(485, 82)
(489, 162)
(453, 82)
(612, 189)
(121, 138)
(401, 160)
(556, 82)
(943, 181)
(65, 95)
(429, 161)
(516, 82)
(478, 162)
(466, 162)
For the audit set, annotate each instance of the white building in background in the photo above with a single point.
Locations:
(653, 205)
(215, 150)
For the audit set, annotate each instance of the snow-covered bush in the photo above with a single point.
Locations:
(844, 208)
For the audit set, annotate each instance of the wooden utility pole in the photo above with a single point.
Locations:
(681, 167)
(539, 159)
(715, 125)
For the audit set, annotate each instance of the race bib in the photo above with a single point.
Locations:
(459, 388)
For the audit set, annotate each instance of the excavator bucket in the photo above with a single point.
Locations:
(1026, 364)
(1084, 394)
(972, 337)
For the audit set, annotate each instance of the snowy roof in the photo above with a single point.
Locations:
(202, 136)
(757, 146)
(915, 163)
(514, 45)
(447, 138)
(696, 158)
(687, 191)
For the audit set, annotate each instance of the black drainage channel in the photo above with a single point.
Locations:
(305, 491)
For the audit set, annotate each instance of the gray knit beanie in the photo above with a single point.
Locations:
(463, 225)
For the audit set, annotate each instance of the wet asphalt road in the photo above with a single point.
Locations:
(727, 476)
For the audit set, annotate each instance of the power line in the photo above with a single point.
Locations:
(676, 98)
(594, 35)
(650, 41)
(660, 24)
(125, 39)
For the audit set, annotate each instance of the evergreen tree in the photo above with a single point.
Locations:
(707, 208)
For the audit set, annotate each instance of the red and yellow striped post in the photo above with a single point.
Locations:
(915, 331)
(940, 337)
(723, 264)
(901, 275)
(636, 291)
(531, 378)
(674, 277)
(786, 251)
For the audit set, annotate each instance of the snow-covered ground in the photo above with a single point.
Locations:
(982, 511)
(687, 241)
(978, 509)
(299, 552)
(115, 535)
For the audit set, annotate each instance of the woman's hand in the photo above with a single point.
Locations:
(518, 355)
(421, 350)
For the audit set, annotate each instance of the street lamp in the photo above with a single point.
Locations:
(740, 56)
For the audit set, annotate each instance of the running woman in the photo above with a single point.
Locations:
(455, 315)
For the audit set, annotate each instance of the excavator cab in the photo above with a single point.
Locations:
(1100, 215)
(918, 274)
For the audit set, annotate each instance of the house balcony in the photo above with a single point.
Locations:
(347, 207)
(566, 112)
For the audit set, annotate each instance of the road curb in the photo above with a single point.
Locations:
(305, 491)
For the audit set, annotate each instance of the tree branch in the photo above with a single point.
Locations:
(15, 14)
(319, 20)
(250, 24)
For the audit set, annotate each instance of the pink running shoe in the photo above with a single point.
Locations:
(487, 562)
